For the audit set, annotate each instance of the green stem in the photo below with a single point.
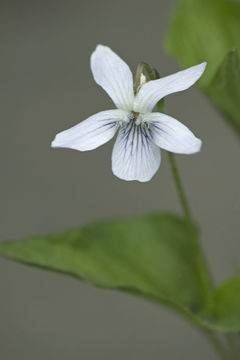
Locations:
(179, 186)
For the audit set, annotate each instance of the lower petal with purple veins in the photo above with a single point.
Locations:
(135, 156)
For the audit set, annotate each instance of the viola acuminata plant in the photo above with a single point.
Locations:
(157, 256)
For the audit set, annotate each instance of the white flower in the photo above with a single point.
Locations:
(136, 153)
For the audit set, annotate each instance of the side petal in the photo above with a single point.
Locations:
(135, 156)
(154, 90)
(92, 132)
(114, 76)
(171, 135)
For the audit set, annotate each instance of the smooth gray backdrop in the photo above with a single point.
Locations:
(46, 86)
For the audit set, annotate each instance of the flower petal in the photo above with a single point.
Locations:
(153, 91)
(171, 135)
(92, 132)
(114, 76)
(135, 156)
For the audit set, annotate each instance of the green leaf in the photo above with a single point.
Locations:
(203, 30)
(226, 306)
(157, 257)
(224, 89)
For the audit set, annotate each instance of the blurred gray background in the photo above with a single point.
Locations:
(47, 86)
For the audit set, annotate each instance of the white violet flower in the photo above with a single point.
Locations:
(142, 132)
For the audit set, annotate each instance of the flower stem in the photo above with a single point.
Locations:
(179, 186)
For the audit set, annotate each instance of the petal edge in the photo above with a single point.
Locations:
(154, 90)
(92, 132)
(114, 76)
(171, 135)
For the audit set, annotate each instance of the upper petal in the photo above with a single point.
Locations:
(171, 135)
(114, 76)
(135, 156)
(92, 132)
(154, 90)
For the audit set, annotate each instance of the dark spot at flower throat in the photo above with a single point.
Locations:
(133, 116)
